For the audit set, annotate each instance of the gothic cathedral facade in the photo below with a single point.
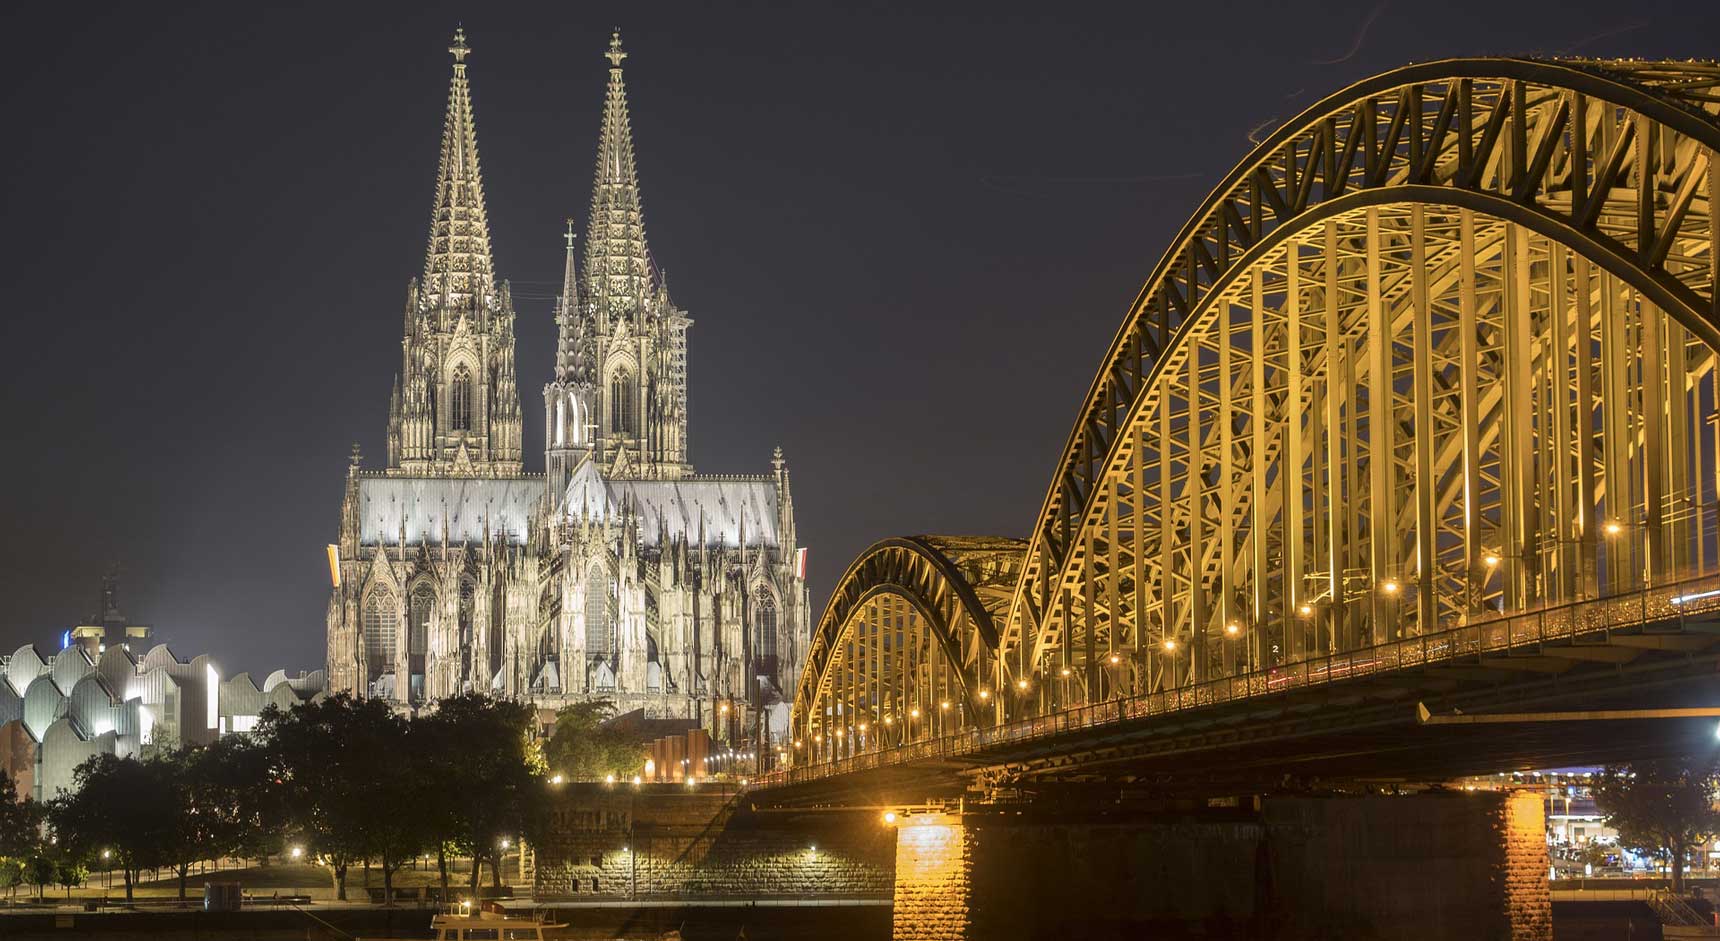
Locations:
(619, 573)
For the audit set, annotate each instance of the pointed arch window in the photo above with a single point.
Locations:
(623, 404)
(764, 635)
(377, 626)
(599, 617)
(418, 620)
(460, 400)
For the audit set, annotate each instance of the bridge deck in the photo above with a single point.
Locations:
(1349, 715)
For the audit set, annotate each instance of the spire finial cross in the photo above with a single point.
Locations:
(459, 47)
(615, 55)
(569, 236)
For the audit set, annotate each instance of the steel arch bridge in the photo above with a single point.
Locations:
(1430, 373)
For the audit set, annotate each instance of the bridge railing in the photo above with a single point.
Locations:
(1679, 600)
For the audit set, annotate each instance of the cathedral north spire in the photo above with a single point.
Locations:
(457, 262)
(458, 411)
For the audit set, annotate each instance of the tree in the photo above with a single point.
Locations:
(120, 804)
(20, 820)
(69, 873)
(581, 746)
(397, 781)
(11, 874)
(480, 751)
(1661, 807)
(325, 758)
(20, 833)
(40, 870)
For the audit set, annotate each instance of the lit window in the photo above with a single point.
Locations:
(378, 630)
(460, 400)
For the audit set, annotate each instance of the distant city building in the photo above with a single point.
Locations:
(101, 696)
(620, 573)
(107, 626)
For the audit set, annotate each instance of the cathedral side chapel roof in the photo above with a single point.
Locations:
(724, 503)
(422, 505)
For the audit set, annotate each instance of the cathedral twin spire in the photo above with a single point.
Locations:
(617, 262)
(618, 393)
(457, 261)
(455, 410)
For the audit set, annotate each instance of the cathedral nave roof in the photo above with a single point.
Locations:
(727, 505)
(470, 507)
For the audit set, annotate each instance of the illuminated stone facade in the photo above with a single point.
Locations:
(619, 573)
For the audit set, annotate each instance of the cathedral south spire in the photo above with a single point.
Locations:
(457, 262)
(617, 262)
(631, 339)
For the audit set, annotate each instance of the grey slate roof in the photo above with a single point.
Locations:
(464, 504)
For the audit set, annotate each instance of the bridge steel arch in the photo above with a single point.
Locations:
(907, 647)
(1458, 267)
(1439, 351)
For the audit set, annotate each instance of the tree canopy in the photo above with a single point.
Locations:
(582, 747)
(348, 780)
(1661, 808)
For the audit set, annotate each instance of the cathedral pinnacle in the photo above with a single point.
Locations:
(567, 313)
(615, 55)
(459, 47)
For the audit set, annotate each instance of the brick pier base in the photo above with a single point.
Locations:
(1429, 866)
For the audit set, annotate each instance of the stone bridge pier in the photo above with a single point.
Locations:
(1434, 865)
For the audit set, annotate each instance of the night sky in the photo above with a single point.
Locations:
(905, 241)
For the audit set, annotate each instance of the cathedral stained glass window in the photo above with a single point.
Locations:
(378, 628)
(460, 400)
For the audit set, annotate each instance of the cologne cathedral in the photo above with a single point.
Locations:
(619, 573)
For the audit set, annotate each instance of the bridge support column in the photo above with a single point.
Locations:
(1429, 866)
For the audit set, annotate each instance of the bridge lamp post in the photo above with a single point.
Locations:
(1614, 528)
(1113, 663)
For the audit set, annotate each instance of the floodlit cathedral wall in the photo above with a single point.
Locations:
(620, 573)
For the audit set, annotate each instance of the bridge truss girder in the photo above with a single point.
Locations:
(1440, 350)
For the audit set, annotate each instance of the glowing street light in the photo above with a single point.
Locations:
(889, 817)
(1232, 629)
(297, 852)
(1170, 644)
(1305, 610)
(1115, 659)
(944, 705)
(1490, 560)
(1389, 586)
(1021, 685)
(1613, 527)
(556, 778)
